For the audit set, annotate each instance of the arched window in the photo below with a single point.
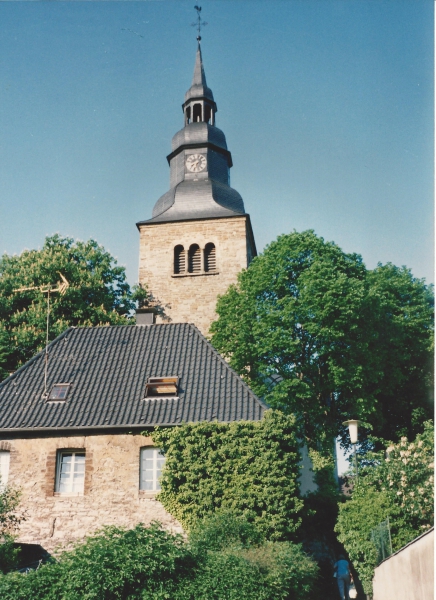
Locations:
(188, 115)
(194, 259)
(179, 260)
(196, 117)
(210, 258)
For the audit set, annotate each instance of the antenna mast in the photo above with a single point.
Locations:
(46, 289)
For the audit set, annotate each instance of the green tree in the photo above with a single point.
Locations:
(404, 342)
(312, 331)
(398, 485)
(4, 352)
(98, 294)
(250, 468)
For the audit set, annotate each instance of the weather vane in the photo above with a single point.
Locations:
(198, 23)
(61, 288)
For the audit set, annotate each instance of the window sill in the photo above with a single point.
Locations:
(195, 274)
(144, 494)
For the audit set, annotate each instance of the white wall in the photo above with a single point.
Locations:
(409, 573)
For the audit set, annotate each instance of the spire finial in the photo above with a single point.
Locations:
(198, 23)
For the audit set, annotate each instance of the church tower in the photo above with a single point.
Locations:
(199, 237)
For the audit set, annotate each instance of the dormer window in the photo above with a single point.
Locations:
(59, 392)
(161, 386)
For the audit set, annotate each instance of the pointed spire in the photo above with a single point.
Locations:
(199, 75)
(199, 87)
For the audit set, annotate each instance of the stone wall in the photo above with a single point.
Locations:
(192, 298)
(111, 495)
(409, 573)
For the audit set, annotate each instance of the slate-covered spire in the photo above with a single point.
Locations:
(199, 77)
(199, 89)
(200, 162)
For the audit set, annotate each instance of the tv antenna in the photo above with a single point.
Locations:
(198, 23)
(61, 288)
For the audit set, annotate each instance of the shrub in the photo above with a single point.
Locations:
(237, 563)
(245, 467)
(145, 563)
(152, 564)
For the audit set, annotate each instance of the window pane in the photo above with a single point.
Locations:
(59, 392)
(71, 472)
(152, 462)
(4, 466)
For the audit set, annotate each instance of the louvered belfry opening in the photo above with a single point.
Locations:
(179, 260)
(210, 258)
(194, 259)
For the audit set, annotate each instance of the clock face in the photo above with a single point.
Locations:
(196, 163)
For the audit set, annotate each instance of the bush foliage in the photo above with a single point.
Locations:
(152, 564)
(400, 486)
(10, 520)
(251, 468)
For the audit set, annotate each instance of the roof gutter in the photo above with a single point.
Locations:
(89, 428)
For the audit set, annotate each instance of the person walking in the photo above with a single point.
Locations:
(342, 574)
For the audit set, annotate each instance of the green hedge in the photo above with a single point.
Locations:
(152, 564)
(250, 468)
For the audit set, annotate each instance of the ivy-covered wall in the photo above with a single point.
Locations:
(251, 468)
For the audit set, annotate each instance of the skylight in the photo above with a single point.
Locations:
(161, 386)
(59, 391)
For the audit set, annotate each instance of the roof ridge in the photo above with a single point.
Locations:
(223, 361)
(35, 358)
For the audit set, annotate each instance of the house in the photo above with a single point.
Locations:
(75, 446)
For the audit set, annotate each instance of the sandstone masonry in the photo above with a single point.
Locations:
(111, 495)
(191, 298)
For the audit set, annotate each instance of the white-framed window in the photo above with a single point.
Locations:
(151, 464)
(70, 472)
(4, 467)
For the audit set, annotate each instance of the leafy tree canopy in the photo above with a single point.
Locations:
(98, 295)
(399, 485)
(317, 334)
(250, 468)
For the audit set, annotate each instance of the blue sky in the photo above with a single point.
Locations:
(327, 106)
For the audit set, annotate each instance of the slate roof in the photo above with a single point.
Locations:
(204, 199)
(108, 368)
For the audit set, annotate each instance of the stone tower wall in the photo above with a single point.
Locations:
(192, 298)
